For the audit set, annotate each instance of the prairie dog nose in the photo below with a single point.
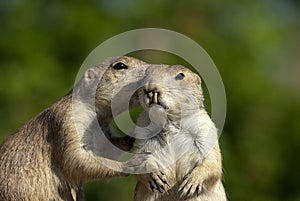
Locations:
(151, 87)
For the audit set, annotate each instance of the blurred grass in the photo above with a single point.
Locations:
(121, 189)
(255, 44)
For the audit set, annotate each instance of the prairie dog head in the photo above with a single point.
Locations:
(120, 80)
(116, 79)
(175, 88)
(104, 92)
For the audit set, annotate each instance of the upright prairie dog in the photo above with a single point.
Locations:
(186, 148)
(51, 156)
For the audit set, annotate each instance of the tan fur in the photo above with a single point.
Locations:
(51, 156)
(186, 150)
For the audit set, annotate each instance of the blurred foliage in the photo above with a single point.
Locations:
(255, 44)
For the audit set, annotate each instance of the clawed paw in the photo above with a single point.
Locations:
(191, 186)
(158, 182)
(136, 164)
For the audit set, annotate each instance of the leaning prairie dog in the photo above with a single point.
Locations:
(51, 156)
(177, 131)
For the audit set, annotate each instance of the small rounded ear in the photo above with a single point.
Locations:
(197, 80)
(90, 74)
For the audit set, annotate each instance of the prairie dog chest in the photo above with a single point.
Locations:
(185, 154)
(179, 147)
(172, 148)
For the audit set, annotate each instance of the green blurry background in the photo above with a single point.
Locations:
(254, 43)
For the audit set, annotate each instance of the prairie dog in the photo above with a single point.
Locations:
(51, 156)
(186, 162)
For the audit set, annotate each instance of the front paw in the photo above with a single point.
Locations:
(136, 164)
(154, 176)
(191, 186)
(157, 181)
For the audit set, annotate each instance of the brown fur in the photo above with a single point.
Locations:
(50, 157)
(186, 150)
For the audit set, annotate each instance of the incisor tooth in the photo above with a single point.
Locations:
(155, 97)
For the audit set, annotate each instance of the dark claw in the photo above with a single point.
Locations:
(156, 184)
(198, 191)
(161, 189)
(164, 180)
(180, 190)
(188, 192)
(151, 187)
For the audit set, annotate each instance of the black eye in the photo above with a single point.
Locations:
(119, 66)
(180, 76)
